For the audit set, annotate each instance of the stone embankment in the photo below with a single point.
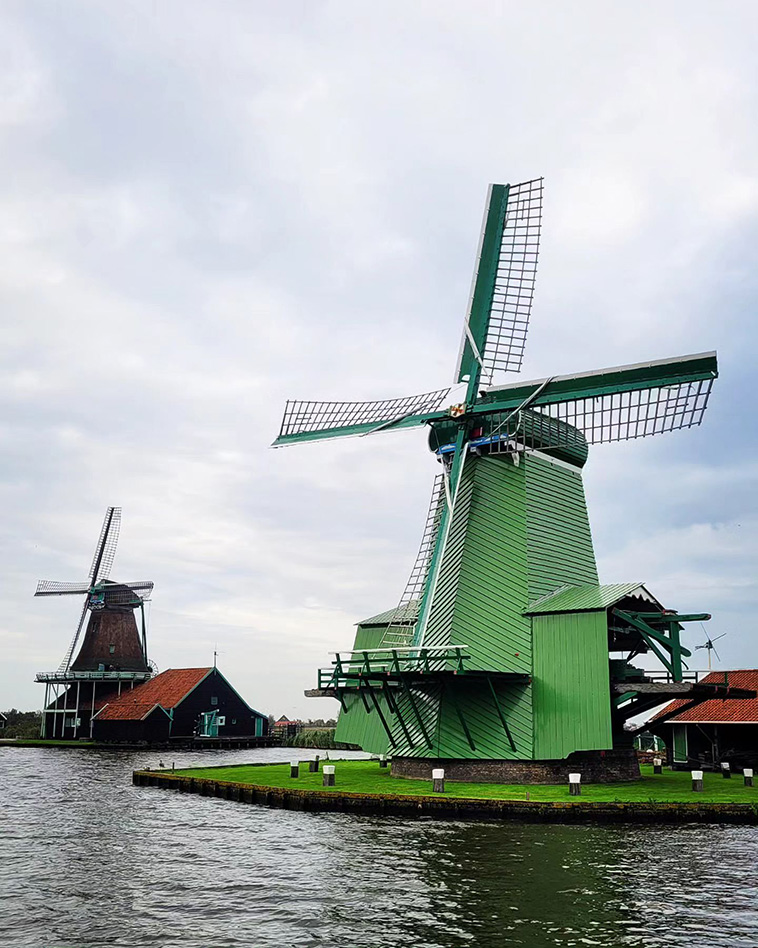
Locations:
(440, 807)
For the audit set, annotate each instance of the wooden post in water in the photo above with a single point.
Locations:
(294, 768)
(657, 765)
(575, 785)
(697, 781)
(313, 765)
(328, 775)
(726, 770)
(438, 781)
(747, 773)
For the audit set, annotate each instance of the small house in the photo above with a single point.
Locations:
(179, 703)
(284, 727)
(705, 734)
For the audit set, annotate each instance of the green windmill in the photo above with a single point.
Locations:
(505, 658)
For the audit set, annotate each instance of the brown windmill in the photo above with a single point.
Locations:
(113, 653)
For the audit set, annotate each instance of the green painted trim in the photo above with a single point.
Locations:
(456, 471)
(479, 313)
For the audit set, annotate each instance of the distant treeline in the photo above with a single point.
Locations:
(311, 737)
(25, 724)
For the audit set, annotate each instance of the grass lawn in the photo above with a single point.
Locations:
(365, 776)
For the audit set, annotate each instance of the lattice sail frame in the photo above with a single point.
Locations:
(302, 417)
(514, 284)
(619, 416)
(105, 551)
(399, 632)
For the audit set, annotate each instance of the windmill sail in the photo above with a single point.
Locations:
(313, 421)
(105, 551)
(400, 630)
(616, 404)
(500, 305)
(66, 662)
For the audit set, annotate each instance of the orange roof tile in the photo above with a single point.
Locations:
(719, 710)
(166, 690)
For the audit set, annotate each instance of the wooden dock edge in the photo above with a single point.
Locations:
(446, 808)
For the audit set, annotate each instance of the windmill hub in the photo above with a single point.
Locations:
(500, 648)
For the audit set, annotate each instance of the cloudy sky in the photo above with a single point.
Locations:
(206, 208)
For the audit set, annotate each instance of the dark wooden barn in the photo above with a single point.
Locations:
(714, 731)
(179, 703)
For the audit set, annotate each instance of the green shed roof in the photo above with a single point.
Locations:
(400, 615)
(585, 598)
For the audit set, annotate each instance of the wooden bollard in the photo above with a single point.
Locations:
(747, 773)
(313, 765)
(726, 770)
(328, 775)
(657, 765)
(697, 781)
(575, 785)
(438, 781)
(294, 768)
(382, 760)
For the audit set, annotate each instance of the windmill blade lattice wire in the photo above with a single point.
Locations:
(620, 416)
(307, 417)
(514, 284)
(64, 665)
(105, 551)
(400, 630)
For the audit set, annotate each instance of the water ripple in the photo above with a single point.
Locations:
(88, 861)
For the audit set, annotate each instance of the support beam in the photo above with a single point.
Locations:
(382, 718)
(458, 711)
(501, 715)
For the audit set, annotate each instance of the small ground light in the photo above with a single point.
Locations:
(697, 781)
(294, 768)
(328, 775)
(747, 773)
(657, 765)
(438, 781)
(575, 785)
(726, 770)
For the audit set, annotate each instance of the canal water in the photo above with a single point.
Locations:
(88, 861)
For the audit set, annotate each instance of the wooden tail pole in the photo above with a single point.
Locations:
(328, 775)
(575, 785)
(697, 781)
(747, 773)
(438, 781)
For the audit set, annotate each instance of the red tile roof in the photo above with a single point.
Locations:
(166, 690)
(720, 710)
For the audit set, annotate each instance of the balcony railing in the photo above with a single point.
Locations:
(361, 665)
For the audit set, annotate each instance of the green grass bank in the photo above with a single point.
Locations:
(365, 776)
(364, 787)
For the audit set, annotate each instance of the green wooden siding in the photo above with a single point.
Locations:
(571, 688)
(559, 540)
(358, 726)
(482, 590)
